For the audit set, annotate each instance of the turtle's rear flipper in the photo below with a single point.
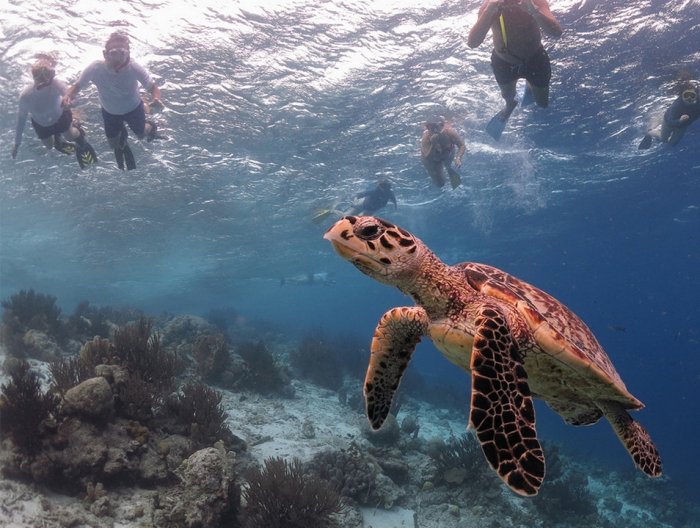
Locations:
(395, 338)
(635, 438)
(502, 411)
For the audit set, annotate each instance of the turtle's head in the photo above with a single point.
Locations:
(377, 248)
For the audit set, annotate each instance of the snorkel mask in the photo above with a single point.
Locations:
(43, 73)
(435, 125)
(116, 51)
(690, 96)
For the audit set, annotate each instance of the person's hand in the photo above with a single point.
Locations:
(14, 151)
(66, 101)
(156, 105)
(684, 118)
(458, 162)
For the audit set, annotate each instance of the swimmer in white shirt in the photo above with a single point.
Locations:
(117, 79)
(53, 123)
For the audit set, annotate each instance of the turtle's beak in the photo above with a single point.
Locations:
(352, 249)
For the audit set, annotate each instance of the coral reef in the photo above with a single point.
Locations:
(357, 475)
(23, 409)
(316, 360)
(459, 461)
(281, 495)
(260, 372)
(29, 320)
(207, 494)
(211, 352)
(199, 410)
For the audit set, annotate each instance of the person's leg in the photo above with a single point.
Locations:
(66, 127)
(506, 75)
(508, 92)
(675, 136)
(538, 74)
(136, 119)
(45, 134)
(114, 125)
(435, 171)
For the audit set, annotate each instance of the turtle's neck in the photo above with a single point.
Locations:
(436, 286)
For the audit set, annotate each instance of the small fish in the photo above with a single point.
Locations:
(308, 279)
(617, 328)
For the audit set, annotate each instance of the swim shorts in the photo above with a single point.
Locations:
(536, 69)
(136, 119)
(58, 127)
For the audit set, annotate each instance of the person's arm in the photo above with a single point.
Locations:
(392, 197)
(22, 114)
(147, 82)
(70, 94)
(83, 80)
(483, 23)
(675, 116)
(425, 145)
(363, 194)
(155, 94)
(457, 140)
(539, 9)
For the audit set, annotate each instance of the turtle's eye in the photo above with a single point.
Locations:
(369, 232)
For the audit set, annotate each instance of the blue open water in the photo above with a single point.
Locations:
(274, 110)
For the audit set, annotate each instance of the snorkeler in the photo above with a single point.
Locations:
(677, 118)
(116, 78)
(372, 200)
(437, 151)
(52, 123)
(518, 52)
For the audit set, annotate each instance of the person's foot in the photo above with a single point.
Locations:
(504, 114)
(80, 139)
(152, 131)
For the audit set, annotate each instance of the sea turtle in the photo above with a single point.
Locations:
(516, 341)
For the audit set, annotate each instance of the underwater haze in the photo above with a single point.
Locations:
(277, 108)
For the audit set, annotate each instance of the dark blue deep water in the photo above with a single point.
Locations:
(274, 111)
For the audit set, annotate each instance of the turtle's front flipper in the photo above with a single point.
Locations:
(395, 338)
(502, 412)
(635, 438)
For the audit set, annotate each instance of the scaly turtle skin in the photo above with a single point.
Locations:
(515, 340)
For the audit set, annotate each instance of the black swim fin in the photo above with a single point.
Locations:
(645, 143)
(123, 154)
(129, 157)
(119, 156)
(84, 152)
(495, 127)
(455, 178)
(62, 146)
(498, 122)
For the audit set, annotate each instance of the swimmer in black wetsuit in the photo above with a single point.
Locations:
(372, 201)
(679, 116)
(518, 52)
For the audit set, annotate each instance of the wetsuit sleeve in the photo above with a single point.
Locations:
(392, 197)
(22, 113)
(143, 76)
(672, 117)
(363, 194)
(87, 76)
